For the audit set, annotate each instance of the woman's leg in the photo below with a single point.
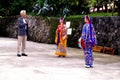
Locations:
(88, 57)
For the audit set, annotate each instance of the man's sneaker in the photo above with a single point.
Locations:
(23, 54)
(87, 66)
(91, 66)
(18, 55)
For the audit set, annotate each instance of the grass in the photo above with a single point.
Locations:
(32, 14)
(102, 14)
(96, 14)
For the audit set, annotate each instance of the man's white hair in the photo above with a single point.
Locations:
(22, 11)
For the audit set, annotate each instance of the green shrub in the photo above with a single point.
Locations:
(53, 26)
(76, 20)
(72, 39)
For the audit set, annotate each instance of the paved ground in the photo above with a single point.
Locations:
(42, 64)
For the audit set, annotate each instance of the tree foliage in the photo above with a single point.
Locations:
(12, 7)
(99, 3)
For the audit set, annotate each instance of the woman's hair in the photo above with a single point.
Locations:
(61, 18)
(87, 17)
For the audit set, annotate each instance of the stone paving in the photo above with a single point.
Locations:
(42, 64)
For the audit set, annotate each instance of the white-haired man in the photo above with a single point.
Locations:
(22, 33)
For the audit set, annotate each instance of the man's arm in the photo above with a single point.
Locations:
(20, 23)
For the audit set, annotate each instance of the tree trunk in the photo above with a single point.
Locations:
(119, 8)
(98, 8)
(106, 8)
(113, 9)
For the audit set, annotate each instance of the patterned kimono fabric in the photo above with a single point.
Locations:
(61, 40)
(90, 40)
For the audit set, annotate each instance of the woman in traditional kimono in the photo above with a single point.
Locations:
(61, 39)
(89, 39)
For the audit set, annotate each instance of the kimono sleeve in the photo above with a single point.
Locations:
(83, 35)
(94, 36)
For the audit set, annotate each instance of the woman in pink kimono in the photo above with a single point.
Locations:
(61, 39)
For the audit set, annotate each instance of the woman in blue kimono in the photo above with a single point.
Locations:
(89, 39)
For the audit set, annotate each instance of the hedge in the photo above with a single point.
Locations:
(76, 29)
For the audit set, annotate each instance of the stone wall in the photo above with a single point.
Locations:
(107, 30)
(38, 30)
(3, 22)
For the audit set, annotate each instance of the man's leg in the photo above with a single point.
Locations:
(24, 45)
(19, 45)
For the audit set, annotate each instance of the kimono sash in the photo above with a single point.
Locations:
(81, 43)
